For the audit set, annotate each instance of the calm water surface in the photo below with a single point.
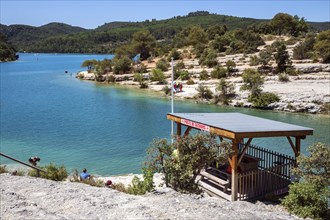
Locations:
(49, 113)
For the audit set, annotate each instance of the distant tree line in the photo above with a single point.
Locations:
(7, 51)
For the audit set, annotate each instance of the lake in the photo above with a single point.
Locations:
(106, 129)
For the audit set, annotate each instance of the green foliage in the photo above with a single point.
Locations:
(140, 187)
(143, 43)
(291, 71)
(139, 78)
(315, 168)
(182, 161)
(264, 99)
(174, 54)
(90, 64)
(304, 50)
(197, 35)
(121, 65)
(220, 43)
(283, 23)
(53, 172)
(7, 51)
(310, 197)
(282, 58)
(180, 66)
(166, 90)
(190, 82)
(203, 75)
(218, 73)
(208, 58)
(184, 75)
(254, 60)
(264, 57)
(204, 92)
(3, 169)
(230, 64)
(307, 200)
(322, 46)
(158, 75)
(252, 82)
(162, 64)
(283, 77)
(226, 90)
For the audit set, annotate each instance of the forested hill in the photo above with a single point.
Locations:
(63, 38)
(25, 36)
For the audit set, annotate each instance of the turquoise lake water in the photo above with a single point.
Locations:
(61, 119)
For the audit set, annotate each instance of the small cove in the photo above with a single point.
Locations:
(49, 113)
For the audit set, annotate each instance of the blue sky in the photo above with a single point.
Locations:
(90, 14)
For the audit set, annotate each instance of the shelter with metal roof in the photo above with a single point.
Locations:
(251, 167)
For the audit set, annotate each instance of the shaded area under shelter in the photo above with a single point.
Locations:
(253, 171)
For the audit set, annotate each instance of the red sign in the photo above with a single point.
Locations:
(195, 125)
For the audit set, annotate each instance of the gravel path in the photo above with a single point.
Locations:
(32, 198)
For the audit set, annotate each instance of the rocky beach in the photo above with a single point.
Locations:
(25, 197)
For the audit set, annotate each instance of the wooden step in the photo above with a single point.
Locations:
(213, 191)
(217, 180)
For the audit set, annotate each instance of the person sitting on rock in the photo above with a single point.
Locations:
(34, 160)
(84, 175)
(108, 184)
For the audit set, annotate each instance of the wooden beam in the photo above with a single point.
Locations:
(234, 174)
(186, 133)
(292, 145)
(178, 129)
(244, 150)
(274, 134)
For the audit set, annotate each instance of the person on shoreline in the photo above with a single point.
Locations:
(84, 175)
(108, 184)
(34, 160)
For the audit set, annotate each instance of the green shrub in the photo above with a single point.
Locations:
(174, 54)
(184, 75)
(121, 65)
(203, 75)
(3, 169)
(307, 200)
(230, 64)
(166, 90)
(219, 73)
(53, 172)
(139, 78)
(254, 60)
(190, 82)
(283, 77)
(140, 187)
(182, 161)
(162, 64)
(180, 66)
(204, 92)
(208, 58)
(291, 71)
(264, 99)
(158, 75)
(119, 187)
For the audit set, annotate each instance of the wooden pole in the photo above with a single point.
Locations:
(178, 129)
(297, 152)
(234, 174)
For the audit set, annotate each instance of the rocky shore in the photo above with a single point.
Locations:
(309, 91)
(25, 197)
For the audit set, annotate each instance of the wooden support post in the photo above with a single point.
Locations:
(178, 129)
(292, 146)
(186, 133)
(234, 174)
(297, 152)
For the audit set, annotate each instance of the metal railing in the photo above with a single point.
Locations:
(21, 162)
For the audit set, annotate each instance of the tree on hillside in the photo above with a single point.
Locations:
(226, 90)
(252, 82)
(215, 30)
(282, 58)
(322, 46)
(304, 50)
(197, 35)
(264, 57)
(121, 65)
(143, 43)
(283, 23)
